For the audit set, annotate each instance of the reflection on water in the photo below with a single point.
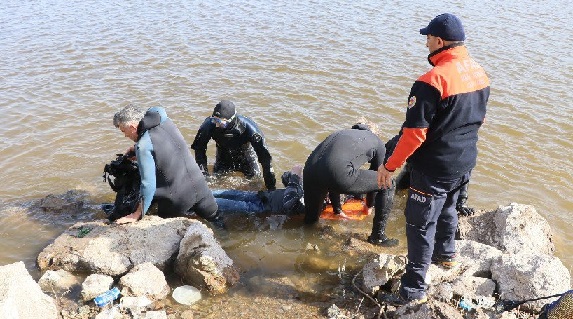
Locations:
(301, 70)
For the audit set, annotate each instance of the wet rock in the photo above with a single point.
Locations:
(21, 296)
(527, 276)
(72, 202)
(59, 281)
(145, 280)
(202, 262)
(314, 263)
(381, 270)
(94, 285)
(111, 249)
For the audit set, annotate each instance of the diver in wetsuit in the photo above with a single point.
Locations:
(334, 167)
(239, 141)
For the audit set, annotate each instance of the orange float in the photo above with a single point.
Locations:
(354, 209)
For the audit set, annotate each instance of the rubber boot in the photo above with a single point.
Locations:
(370, 199)
(383, 203)
(335, 202)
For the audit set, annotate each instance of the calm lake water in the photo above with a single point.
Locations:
(300, 69)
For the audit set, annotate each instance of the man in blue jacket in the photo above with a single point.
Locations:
(240, 143)
(169, 175)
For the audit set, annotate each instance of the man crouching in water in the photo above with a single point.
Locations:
(170, 177)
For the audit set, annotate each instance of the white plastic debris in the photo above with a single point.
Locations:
(186, 295)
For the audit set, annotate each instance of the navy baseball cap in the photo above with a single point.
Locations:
(224, 109)
(446, 26)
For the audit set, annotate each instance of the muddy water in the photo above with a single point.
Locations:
(301, 70)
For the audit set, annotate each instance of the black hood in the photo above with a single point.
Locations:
(150, 120)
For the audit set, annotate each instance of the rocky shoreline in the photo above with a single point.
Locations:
(506, 255)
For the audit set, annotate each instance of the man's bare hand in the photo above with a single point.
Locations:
(133, 217)
(384, 177)
(297, 170)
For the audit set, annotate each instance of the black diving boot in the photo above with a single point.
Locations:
(335, 203)
(383, 203)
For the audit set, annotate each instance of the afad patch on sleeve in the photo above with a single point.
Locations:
(412, 101)
(355, 209)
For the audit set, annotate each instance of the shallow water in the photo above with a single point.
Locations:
(300, 69)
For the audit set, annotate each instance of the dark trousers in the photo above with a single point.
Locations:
(316, 186)
(236, 201)
(431, 223)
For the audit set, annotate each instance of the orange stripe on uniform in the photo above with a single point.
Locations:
(408, 143)
(457, 75)
(420, 192)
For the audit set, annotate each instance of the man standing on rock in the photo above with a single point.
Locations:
(446, 107)
(170, 176)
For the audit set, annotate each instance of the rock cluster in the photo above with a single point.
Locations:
(134, 257)
(506, 257)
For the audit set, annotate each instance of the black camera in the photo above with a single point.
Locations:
(126, 182)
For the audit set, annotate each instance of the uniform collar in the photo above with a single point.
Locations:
(447, 53)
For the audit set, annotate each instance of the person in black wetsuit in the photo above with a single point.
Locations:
(334, 167)
(240, 143)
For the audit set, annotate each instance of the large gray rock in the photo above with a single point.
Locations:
(21, 296)
(476, 258)
(512, 229)
(112, 249)
(528, 276)
(473, 288)
(203, 263)
(145, 280)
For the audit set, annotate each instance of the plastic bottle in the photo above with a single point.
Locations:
(465, 305)
(107, 297)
